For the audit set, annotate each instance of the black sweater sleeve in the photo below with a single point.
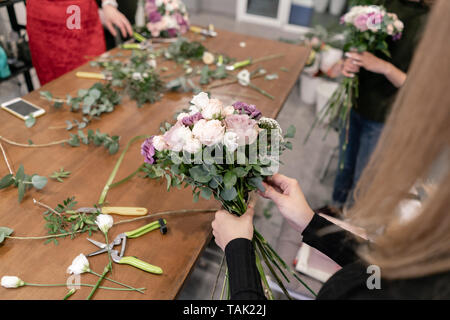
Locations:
(244, 278)
(337, 245)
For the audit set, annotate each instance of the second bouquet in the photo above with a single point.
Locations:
(223, 152)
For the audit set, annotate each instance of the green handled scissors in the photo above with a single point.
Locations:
(122, 239)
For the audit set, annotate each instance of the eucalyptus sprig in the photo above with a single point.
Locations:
(23, 182)
(93, 102)
(111, 143)
(183, 50)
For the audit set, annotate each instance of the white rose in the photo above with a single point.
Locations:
(169, 7)
(230, 140)
(104, 222)
(79, 265)
(208, 58)
(193, 110)
(12, 282)
(176, 137)
(170, 22)
(227, 111)
(201, 100)
(152, 63)
(244, 77)
(209, 132)
(390, 29)
(192, 145)
(136, 76)
(398, 25)
(159, 3)
(159, 143)
(213, 109)
(182, 115)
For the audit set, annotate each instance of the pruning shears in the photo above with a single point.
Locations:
(123, 211)
(238, 65)
(118, 257)
(93, 75)
(206, 32)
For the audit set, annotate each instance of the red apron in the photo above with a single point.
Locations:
(55, 47)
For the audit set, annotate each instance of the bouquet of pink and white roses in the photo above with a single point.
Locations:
(368, 28)
(224, 152)
(166, 18)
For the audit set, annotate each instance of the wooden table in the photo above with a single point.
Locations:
(175, 252)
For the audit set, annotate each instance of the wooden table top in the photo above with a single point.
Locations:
(177, 251)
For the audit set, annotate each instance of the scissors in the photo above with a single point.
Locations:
(118, 257)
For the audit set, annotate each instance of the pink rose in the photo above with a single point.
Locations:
(209, 132)
(245, 128)
(177, 136)
(361, 22)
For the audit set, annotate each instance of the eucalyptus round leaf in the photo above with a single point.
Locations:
(38, 181)
(228, 194)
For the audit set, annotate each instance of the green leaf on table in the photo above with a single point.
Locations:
(46, 94)
(30, 121)
(38, 181)
(4, 232)
(21, 189)
(204, 76)
(95, 93)
(229, 179)
(228, 194)
(58, 104)
(59, 175)
(20, 174)
(6, 181)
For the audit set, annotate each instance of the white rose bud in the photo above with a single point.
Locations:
(230, 140)
(104, 222)
(12, 282)
(192, 145)
(244, 77)
(201, 100)
(213, 109)
(79, 265)
(208, 58)
(159, 143)
(228, 110)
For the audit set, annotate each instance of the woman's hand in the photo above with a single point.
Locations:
(368, 61)
(115, 17)
(227, 227)
(289, 198)
(349, 68)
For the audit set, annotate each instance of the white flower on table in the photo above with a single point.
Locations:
(79, 265)
(104, 222)
(12, 282)
(244, 77)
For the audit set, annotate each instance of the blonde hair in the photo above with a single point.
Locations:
(416, 134)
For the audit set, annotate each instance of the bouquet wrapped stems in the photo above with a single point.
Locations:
(264, 253)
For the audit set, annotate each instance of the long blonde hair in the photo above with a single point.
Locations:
(416, 134)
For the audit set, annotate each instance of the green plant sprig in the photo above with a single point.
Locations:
(93, 102)
(23, 182)
(60, 175)
(64, 220)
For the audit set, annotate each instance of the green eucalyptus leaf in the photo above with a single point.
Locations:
(290, 133)
(6, 181)
(39, 182)
(229, 179)
(21, 189)
(30, 121)
(257, 183)
(228, 194)
(46, 94)
(20, 174)
(4, 232)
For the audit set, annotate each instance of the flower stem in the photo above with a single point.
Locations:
(122, 284)
(105, 271)
(116, 168)
(78, 284)
(109, 251)
(70, 293)
(17, 144)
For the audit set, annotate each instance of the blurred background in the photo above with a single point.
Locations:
(313, 164)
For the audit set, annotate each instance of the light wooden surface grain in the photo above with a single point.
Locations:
(175, 252)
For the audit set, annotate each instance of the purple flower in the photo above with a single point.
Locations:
(154, 16)
(172, 32)
(148, 150)
(397, 36)
(150, 6)
(191, 120)
(250, 110)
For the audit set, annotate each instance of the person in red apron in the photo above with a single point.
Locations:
(63, 34)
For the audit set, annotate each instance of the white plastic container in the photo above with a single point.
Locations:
(321, 5)
(308, 88)
(324, 91)
(337, 6)
(328, 58)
